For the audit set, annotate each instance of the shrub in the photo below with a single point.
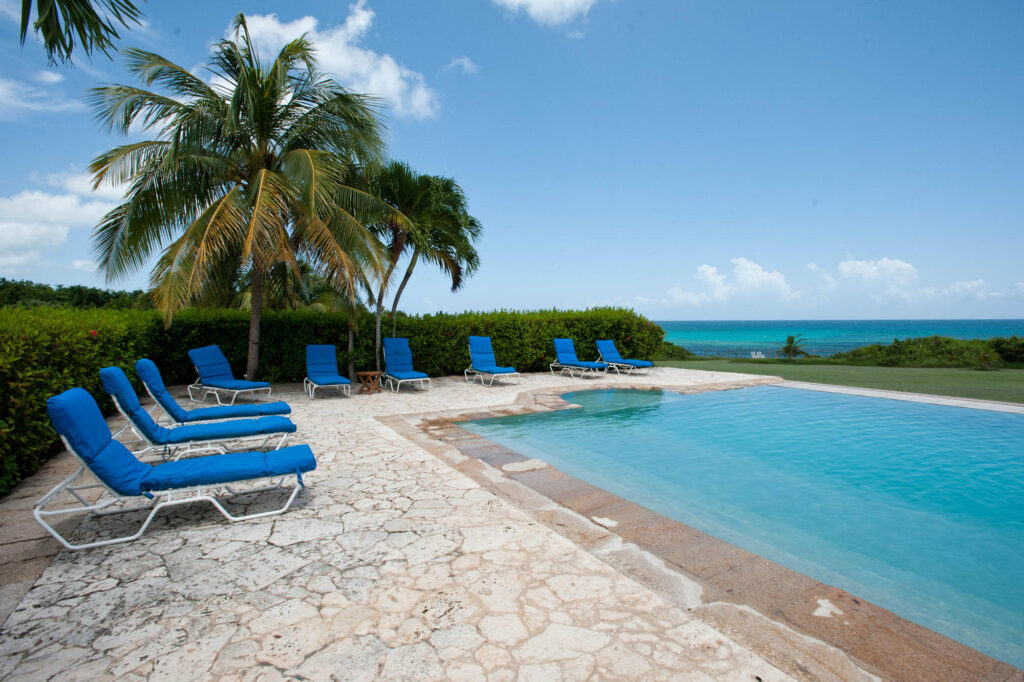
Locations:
(1010, 349)
(44, 351)
(671, 351)
(929, 351)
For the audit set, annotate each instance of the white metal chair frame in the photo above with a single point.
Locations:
(158, 500)
(177, 450)
(310, 386)
(493, 375)
(394, 383)
(571, 369)
(622, 367)
(205, 391)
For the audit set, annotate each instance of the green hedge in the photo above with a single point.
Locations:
(44, 351)
(939, 351)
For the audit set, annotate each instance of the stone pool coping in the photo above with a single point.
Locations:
(805, 627)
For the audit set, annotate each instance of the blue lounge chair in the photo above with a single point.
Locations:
(154, 383)
(482, 362)
(607, 352)
(322, 370)
(124, 479)
(215, 377)
(566, 361)
(191, 437)
(398, 365)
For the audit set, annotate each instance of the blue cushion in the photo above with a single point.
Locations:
(321, 360)
(409, 374)
(585, 364)
(236, 411)
(327, 379)
(77, 418)
(238, 428)
(397, 356)
(494, 369)
(210, 364)
(150, 375)
(480, 352)
(565, 351)
(115, 382)
(635, 363)
(611, 354)
(233, 466)
(608, 350)
(235, 384)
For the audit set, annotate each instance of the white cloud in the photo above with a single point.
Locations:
(19, 97)
(357, 68)
(549, 12)
(83, 265)
(976, 288)
(885, 269)
(81, 184)
(885, 277)
(574, 35)
(49, 77)
(18, 260)
(32, 222)
(465, 64)
(748, 278)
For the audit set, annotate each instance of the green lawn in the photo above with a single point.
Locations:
(1006, 385)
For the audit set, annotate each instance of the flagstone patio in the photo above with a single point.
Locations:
(392, 565)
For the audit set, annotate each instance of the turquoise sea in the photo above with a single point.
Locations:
(822, 336)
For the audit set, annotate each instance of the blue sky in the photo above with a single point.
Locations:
(693, 160)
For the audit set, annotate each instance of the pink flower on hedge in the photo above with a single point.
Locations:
(94, 332)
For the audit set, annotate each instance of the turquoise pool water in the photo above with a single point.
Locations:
(918, 508)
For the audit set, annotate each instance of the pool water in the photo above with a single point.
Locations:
(918, 508)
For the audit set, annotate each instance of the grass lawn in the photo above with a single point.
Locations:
(1006, 385)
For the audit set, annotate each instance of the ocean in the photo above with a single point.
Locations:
(740, 338)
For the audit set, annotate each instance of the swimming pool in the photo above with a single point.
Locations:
(918, 508)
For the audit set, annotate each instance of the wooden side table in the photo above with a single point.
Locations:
(369, 382)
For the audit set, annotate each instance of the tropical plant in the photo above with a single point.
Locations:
(440, 231)
(445, 237)
(61, 22)
(246, 173)
(792, 349)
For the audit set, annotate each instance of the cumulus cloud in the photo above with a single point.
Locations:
(549, 12)
(81, 184)
(748, 278)
(83, 265)
(464, 64)
(49, 77)
(975, 288)
(888, 270)
(33, 222)
(18, 97)
(355, 67)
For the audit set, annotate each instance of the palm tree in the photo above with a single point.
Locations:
(61, 22)
(244, 175)
(792, 349)
(440, 231)
(446, 233)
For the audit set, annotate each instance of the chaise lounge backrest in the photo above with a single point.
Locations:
(77, 418)
(211, 364)
(565, 351)
(481, 354)
(397, 356)
(321, 360)
(115, 382)
(608, 351)
(150, 375)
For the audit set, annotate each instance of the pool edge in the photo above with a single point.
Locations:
(761, 604)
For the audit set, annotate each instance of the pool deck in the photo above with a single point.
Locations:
(419, 552)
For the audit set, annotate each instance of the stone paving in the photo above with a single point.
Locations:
(392, 565)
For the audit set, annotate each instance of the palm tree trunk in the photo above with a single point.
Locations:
(351, 347)
(255, 313)
(380, 312)
(398, 294)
